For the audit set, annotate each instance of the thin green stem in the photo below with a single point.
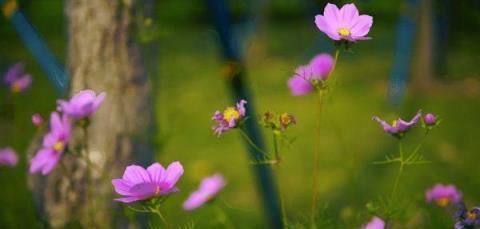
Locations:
(89, 176)
(400, 170)
(275, 148)
(418, 147)
(250, 142)
(157, 211)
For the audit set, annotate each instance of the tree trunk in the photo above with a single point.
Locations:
(102, 57)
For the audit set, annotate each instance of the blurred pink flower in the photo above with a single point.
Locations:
(443, 195)
(321, 65)
(53, 145)
(375, 223)
(318, 69)
(37, 119)
(138, 183)
(344, 23)
(82, 104)
(430, 119)
(8, 157)
(208, 189)
(16, 79)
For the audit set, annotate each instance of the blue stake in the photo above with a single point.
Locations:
(236, 79)
(37, 46)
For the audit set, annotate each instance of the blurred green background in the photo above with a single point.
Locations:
(189, 88)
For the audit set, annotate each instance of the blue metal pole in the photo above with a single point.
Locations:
(403, 52)
(237, 80)
(37, 46)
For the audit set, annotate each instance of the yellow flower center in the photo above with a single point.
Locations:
(16, 87)
(157, 191)
(344, 32)
(394, 123)
(471, 215)
(231, 113)
(443, 202)
(58, 146)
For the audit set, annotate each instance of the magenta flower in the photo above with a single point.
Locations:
(230, 118)
(443, 195)
(208, 189)
(138, 183)
(8, 157)
(16, 79)
(398, 126)
(300, 84)
(430, 119)
(37, 119)
(344, 23)
(82, 104)
(318, 69)
(54, 143)
(375, 223)
(321, 65)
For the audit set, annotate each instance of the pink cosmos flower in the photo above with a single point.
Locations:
(208, 189)
(443, 195)
(318, 69)
(344, 23)
(82, 104)
(375, 223)
(53, 145)
(399, 125)
(138, 183)
(230, 118)
(37, 119)
(16, 79)
(8, 157)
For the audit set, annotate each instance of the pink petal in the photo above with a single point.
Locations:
(156, 172)
(325, 27)
(129, 199)
(332, 15)
(349, 14)
(122, 186)
(173, 173)
(136, 174)
(55, 121)
(361, 26)
(143, 189)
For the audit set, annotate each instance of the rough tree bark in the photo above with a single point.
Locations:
(102, 57)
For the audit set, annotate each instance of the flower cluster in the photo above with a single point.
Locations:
(55, 142)
(277, 123)
(309, 76)
(399, 126)
(230, 118)
(16, 79)
(467, 219)
(155, 182)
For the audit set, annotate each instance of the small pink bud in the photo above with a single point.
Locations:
(37, 119)
(429, 119)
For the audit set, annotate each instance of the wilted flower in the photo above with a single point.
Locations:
(467, 219)
(8, 157)
(16, 79)
(443, 195)
(375, 223)
(37, 119)
(53, 146)
(430, 119)
(345, 23)
(230, 118)
(82, 104)
(138, 183)
(208, 189)
(399, 125)
(286, 120)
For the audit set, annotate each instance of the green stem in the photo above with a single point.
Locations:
(89, 176)
(157, 211)
(250, 142)
(417, 148)
(400, 170)
(275, 148)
